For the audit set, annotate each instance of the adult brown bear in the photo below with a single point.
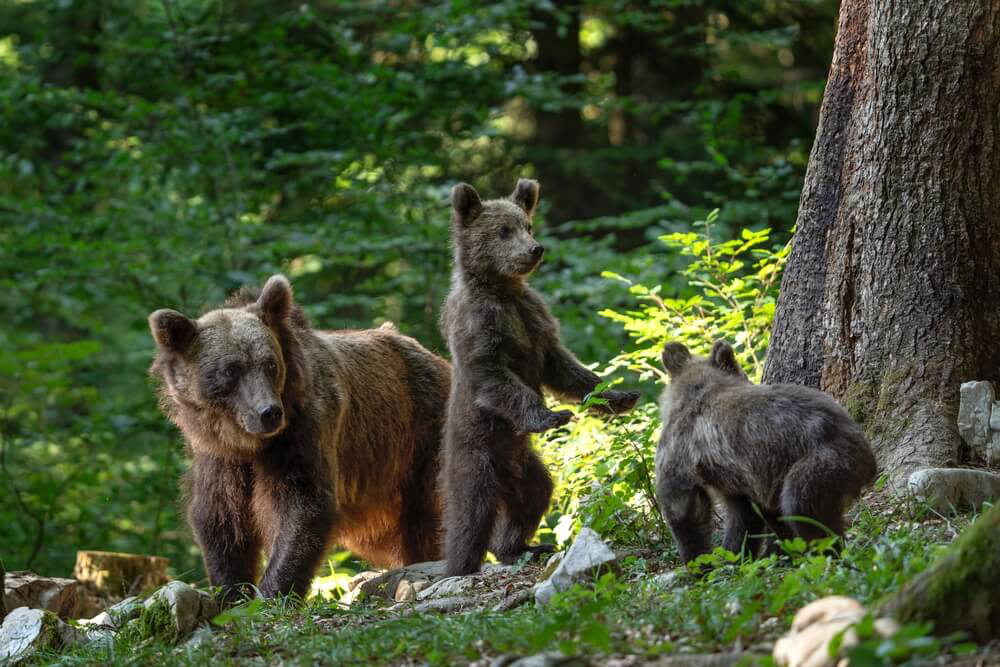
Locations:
(301, 439)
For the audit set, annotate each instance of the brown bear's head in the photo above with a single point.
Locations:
(721, 362)
(228, 367)
(493, 238)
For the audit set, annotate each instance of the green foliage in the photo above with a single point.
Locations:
(605, 469)
(737, 285)
(161, 153)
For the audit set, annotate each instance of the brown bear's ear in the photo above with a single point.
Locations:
(276, 301)
(525, 195)
(674, 358)
(465, 203)
(171, 330)
(723, 358)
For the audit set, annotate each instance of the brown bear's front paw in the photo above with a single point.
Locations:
(557, 419)
(618, 401)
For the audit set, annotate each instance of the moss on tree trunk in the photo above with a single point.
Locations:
(961, 590)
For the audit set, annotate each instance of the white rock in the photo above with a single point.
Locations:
(27, 589)
(447, 587)
(405, 592)
(587, 553)
(975, 406)
(952, 489)
(668, 579)
(25, 631)
(547, 659)
(187, 606)
(201, 635)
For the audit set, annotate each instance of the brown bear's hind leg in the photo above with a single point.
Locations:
(470, 508)
(525, 502)
(223, 525)
(743, 527)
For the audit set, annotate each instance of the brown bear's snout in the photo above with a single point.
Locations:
(270, 418)
(537, 252)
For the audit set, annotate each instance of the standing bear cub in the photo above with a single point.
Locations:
(505, 347)
(301, 439)
(769, 451)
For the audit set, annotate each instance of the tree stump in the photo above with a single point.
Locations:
(109, 575)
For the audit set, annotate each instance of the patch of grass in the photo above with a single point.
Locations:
(738, 605)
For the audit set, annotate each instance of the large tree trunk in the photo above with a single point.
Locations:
(891, 297)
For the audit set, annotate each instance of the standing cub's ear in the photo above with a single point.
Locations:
(675, 357)
(465, 203)
(171, 330)
(275, 302)
(723, 358)
(525, 195)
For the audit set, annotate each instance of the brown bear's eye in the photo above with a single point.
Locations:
(272, 366)
(230, 370)
(504, 232)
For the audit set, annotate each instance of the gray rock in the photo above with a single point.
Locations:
(447, 587)
(384, 585)
(547, 659)
(995, 416)
(585, 556)
(953, 489)
(27, 589)
(201, 635)
(26, 631)
(670, 578)
(707, 660)
(993, 448)
(187, 607)
(405, 592)
(975, 406)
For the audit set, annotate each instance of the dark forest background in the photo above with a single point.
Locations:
(163, 153)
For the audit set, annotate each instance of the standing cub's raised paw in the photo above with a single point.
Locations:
(618, 402)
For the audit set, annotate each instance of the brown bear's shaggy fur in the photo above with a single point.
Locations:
(788, 450)
(301, 438)
(505, 347)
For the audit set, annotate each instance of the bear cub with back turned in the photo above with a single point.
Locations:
(505, 347)
(301, 439)
(786, 449)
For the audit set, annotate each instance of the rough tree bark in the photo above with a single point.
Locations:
(891, 297)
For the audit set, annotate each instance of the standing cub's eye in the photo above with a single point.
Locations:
(271, 366)
(505, 231)
(230, 370)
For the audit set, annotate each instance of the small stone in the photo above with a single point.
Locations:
(447, 587)
(405, 592)
(27, 589)
(26, 631)
(384, 585)
(668, 579)
(361, 578)
(201, 635)
(587, 554)
(548, 659)
(974, 413)
(124, 611)
(186, 606)
(953, 489)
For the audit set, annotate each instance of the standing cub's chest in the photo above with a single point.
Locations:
(519, 345)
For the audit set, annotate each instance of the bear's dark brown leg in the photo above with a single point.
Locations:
(219, 514)
(744, 528)
(470, 505)
(299, 502)
(525, 499)
(688, 509)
